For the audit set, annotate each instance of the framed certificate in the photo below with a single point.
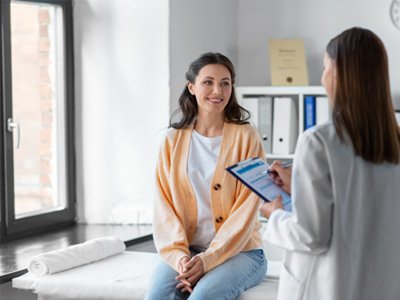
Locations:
(253, 173)
(288, 62)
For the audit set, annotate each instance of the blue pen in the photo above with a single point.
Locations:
(284, 165)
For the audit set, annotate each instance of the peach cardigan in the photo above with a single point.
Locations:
(234, 206)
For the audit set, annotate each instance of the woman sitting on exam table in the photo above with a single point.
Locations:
(205, 221)
(342, 238)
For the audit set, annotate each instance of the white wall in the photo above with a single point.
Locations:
(198, 26)
(122, 103)
(316, 22)
(131, 57)
(241, 29)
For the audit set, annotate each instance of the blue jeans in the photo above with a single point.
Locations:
(227, 281)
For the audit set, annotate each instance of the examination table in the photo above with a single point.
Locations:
(125, 275)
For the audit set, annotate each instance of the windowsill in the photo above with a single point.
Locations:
(15, 255)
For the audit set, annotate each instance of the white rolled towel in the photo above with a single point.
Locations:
(76, 255)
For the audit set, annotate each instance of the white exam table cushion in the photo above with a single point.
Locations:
(122, 276)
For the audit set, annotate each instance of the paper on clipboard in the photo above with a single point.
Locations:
(253, 173)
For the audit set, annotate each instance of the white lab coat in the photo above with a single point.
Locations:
(342, 239)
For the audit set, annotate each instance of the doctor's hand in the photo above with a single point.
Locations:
(269, 207)
(194, 271)
(282, 176)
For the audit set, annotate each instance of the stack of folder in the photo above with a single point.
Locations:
(277, 119)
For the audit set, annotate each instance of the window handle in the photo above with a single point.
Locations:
(11, 126)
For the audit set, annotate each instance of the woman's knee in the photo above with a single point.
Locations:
(232, 278)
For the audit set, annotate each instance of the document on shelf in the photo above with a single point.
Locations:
(253, 173)
(285, 125)
(265, 122)
(397, 114)
(322, 111)
(309, 112)
(251, 104)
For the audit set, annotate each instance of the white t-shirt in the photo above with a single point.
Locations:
(203, 156)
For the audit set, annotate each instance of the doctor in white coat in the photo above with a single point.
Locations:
(342, 239)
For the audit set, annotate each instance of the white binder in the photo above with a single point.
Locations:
(265, 122)
(285, 125)
(322, 110)
(251, 104)
(397, 114)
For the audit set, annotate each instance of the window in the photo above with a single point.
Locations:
(38, 187)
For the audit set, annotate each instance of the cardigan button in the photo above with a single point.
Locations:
(217, 186)
(219, 219)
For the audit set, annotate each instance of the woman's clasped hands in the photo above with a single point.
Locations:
(190, 272)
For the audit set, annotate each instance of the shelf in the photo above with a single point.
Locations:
(264, 102)
(279, 156)
(279, 90)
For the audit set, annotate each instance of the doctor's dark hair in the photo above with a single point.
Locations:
(362, 104)
(188, 110)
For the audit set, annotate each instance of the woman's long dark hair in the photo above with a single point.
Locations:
(187, 111)
(363, 105)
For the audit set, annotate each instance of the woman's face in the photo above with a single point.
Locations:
(328, 79)
(212, 89)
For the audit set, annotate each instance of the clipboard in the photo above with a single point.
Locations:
(253, 174)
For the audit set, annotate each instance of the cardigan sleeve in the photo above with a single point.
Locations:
(236, 231)
(168, 232)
